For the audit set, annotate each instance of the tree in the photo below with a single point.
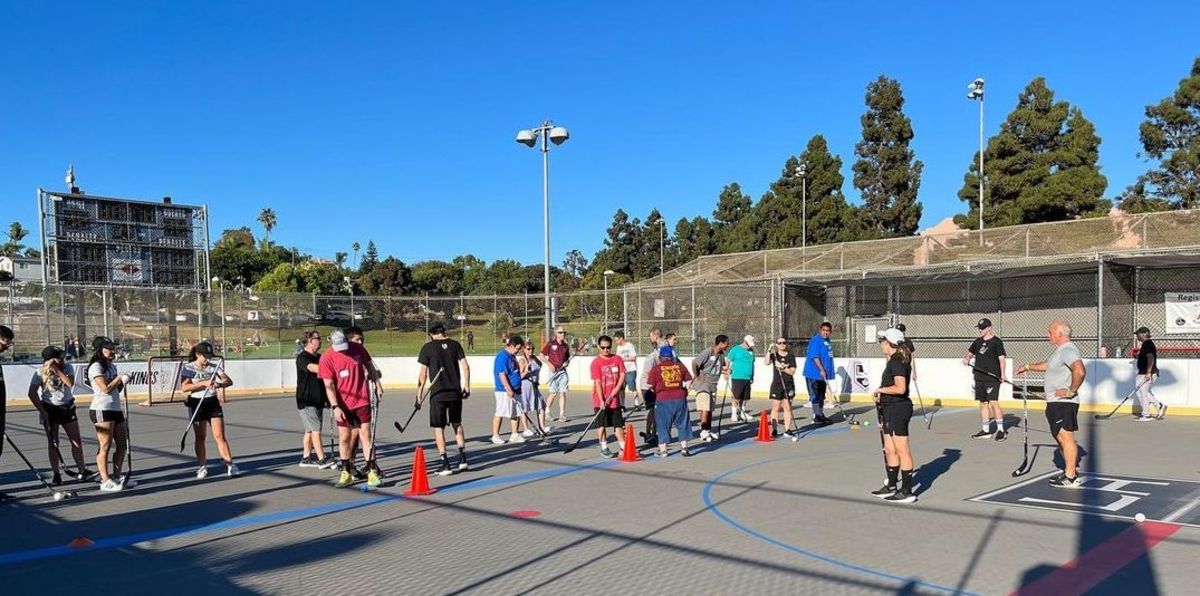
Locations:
(267, 218)
(389, 277)
(777, 221)
(1170, 134)
(887, 171)
(283, 278)
(619, 245)
(437, 277)
(370, 259)
(13, 247)
(1041, 166)
(693, 238)
(575, 264)
(242, 237)
(732, 220)
(340, 259)
(651, 239)
(355, 247)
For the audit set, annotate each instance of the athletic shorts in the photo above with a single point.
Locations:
(311, 417)
(508, 407)
(741, 389)
(115, 416)
(354, 417)
(779, 392)
(704, 401)
(209, 408)
(611, 418)
(987, 390)
(896, 415)
(559, 382)
(649, 397)
(442, 413)
(631, 381)
(817, 388)
(1062, 415)
(59, 415)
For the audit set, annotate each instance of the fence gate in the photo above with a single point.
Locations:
(862, 340)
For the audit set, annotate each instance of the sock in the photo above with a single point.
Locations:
(987, 426)
(346, 467)
(906, 481)
(462, 450)
(892, 475)
(706, 425)
(603, 445)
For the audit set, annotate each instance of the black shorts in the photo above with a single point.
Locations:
(443, 412)
(987, 389)
(209, 408)
(896, 415)
(59, 415)
(741, 389)
(98, 416)
(779, 392)
(649, 397)
(1062, 415)
(611, 418)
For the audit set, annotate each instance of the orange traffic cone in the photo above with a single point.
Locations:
(81, 542)
(630, 453)
(419, 486)
(764, 428)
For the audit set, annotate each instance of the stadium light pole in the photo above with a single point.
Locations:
(224, 343)
(976, 94)
(662, 250)
(802, 174)
(607, 273)
(548, 133)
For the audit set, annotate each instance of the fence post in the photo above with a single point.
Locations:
(694, 319)
(1099, 306)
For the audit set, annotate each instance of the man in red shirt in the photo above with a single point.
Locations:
(557, 354)
(608, 379)
(347, 372)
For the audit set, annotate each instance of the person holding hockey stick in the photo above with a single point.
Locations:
(348, 372)
(608, 375)
(532, 401)
(707, 369)
(557, 352)
(445, 358)
(1065, 373)
(741, 375)
(989, 355)
(106, 413)
(818, 370)
(783, 385)
(50, 391)
(205, 382)
(896, 410)
(1147, 373)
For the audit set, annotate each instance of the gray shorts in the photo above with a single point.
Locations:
(311, 417)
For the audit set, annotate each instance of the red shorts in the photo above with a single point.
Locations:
(354, 417)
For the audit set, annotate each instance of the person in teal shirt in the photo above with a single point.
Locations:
(741, 375)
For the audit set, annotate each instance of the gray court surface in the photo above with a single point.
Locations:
(737, 517)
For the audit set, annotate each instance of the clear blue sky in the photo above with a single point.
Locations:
(395, 122)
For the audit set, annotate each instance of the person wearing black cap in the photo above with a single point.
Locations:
(112, 429)
(205, 382)
(50, 391)
(1147, 365)
(988, 352)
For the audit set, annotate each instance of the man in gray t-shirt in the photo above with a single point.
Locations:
(707, 369)
(1065, 373)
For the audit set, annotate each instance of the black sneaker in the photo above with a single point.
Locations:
(983, 434)
(774, 434)
(444, 469)
(684, 452)
(1063, 481)
(56, 480)
(359, 475)
(822, 419)
(884, 492)
(1001, 435)
(901, 497)
(463, 466)
(309, 462)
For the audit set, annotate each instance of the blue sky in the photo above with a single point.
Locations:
(394, 122)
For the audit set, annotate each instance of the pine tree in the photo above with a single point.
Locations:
(370, 259)
(1041, 166)
(733, 220)
(1170, 134)
(619, 245)
(887, 171)
(779, 215)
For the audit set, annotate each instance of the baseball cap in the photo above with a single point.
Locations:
(666, 352)
(102, 342)
(749, 339)
(901, 327)
(1143, 329)
(337, 339)
(205, 349)
(51, 353)
(893, 336)
(984, 323)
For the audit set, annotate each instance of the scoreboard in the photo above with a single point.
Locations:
(105, 241)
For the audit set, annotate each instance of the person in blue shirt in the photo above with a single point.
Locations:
(506, 374)
(818, 370)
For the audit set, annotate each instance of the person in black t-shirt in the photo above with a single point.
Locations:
(6, 341)
(443, 361)
(989, 367)
(1147, 368)
(895, 411)
(783, 384)
(311, 402)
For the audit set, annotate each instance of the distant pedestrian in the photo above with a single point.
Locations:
(989, 365)
(670, 380)
(471, 341)
(1065, 374)
(818, 370)
(741, 374)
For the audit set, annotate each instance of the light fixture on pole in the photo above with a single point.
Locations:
(350, 291)
(548, 133)
(976, 94)
(802, 173)
(606, 274)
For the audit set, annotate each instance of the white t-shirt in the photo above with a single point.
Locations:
(628, 354)
(198, 374)
(105, 402)
(57, 394)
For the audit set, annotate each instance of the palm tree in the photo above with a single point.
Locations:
(355, 248)
(340, 259)
(267, 218)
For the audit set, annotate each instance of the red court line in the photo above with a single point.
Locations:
(1096, 565)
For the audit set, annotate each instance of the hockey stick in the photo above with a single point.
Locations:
(128, 437)
(57, 495)
(837, 403)
(1024, 468)
(417, 405)
(199, 403)
(586, 429)
(924, 412)
(1127, 396)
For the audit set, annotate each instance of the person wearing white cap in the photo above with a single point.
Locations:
(741, 376)
(895, 411)
(348, 372)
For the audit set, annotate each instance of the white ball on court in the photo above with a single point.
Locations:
(58, 496)
(1139, 518)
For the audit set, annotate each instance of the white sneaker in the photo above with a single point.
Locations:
(712, 435)
(232, 470)
(1145, 418)
(527, 433)
(496, 440)
(705, 435)
(516, 438)
(548, 429)
(736, 416)
(621, 446)
(202, 473)
(110, 486)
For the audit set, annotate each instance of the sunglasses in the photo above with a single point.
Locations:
(781, 343)
(560, 332)
(605, 347)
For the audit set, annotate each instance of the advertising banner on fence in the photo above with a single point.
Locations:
(1183, 312)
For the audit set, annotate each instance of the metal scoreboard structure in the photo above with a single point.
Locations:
(90, 240)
